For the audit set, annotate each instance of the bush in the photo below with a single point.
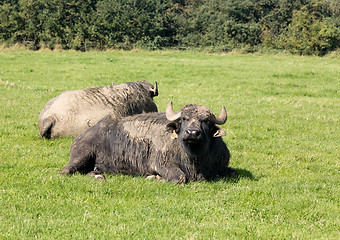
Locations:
(300, 26)
(307, 35)
(220, 24)
(312, 29)
(126, 23)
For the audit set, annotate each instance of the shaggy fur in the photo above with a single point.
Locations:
(72, 112)
(149, 144)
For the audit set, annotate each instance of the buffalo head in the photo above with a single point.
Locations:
(195, 126)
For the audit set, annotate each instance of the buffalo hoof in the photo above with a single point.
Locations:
(97, 176)
(65, 171)
(180, 180)
(155, 177)
(100, 177)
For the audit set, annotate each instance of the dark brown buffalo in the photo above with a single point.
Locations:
(178, 147)
(72, 112)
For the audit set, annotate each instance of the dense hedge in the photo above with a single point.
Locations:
(300, 26)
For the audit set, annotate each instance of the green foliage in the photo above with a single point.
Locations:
(223, 25)
(218, 25)
(135, 23)
(10, 21)
(282, 131)
(312, 27)
(309, 35)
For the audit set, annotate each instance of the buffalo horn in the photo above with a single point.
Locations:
(170, 115)
(154, 90)
(221, 119)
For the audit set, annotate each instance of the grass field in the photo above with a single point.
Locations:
(282, 131)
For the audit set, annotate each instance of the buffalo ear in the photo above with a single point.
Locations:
(219, 132)
(172, 126)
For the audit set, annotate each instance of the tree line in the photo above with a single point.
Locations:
(299, 26)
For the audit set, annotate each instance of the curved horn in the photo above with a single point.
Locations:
(169, 113)
(221, 119)
(154, 90)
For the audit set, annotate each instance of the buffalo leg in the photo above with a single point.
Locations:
(48, 124)
(80, 160)
(173, 174)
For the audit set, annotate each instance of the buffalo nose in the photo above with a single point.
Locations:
(193, 132)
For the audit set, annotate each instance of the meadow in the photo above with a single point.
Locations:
(282, 131)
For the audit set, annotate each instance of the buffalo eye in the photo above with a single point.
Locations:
(184, 119)
(205, 121)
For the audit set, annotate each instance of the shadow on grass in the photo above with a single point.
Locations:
(243, 173)
(235, 177)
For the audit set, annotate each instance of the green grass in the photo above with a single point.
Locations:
(282, 131)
